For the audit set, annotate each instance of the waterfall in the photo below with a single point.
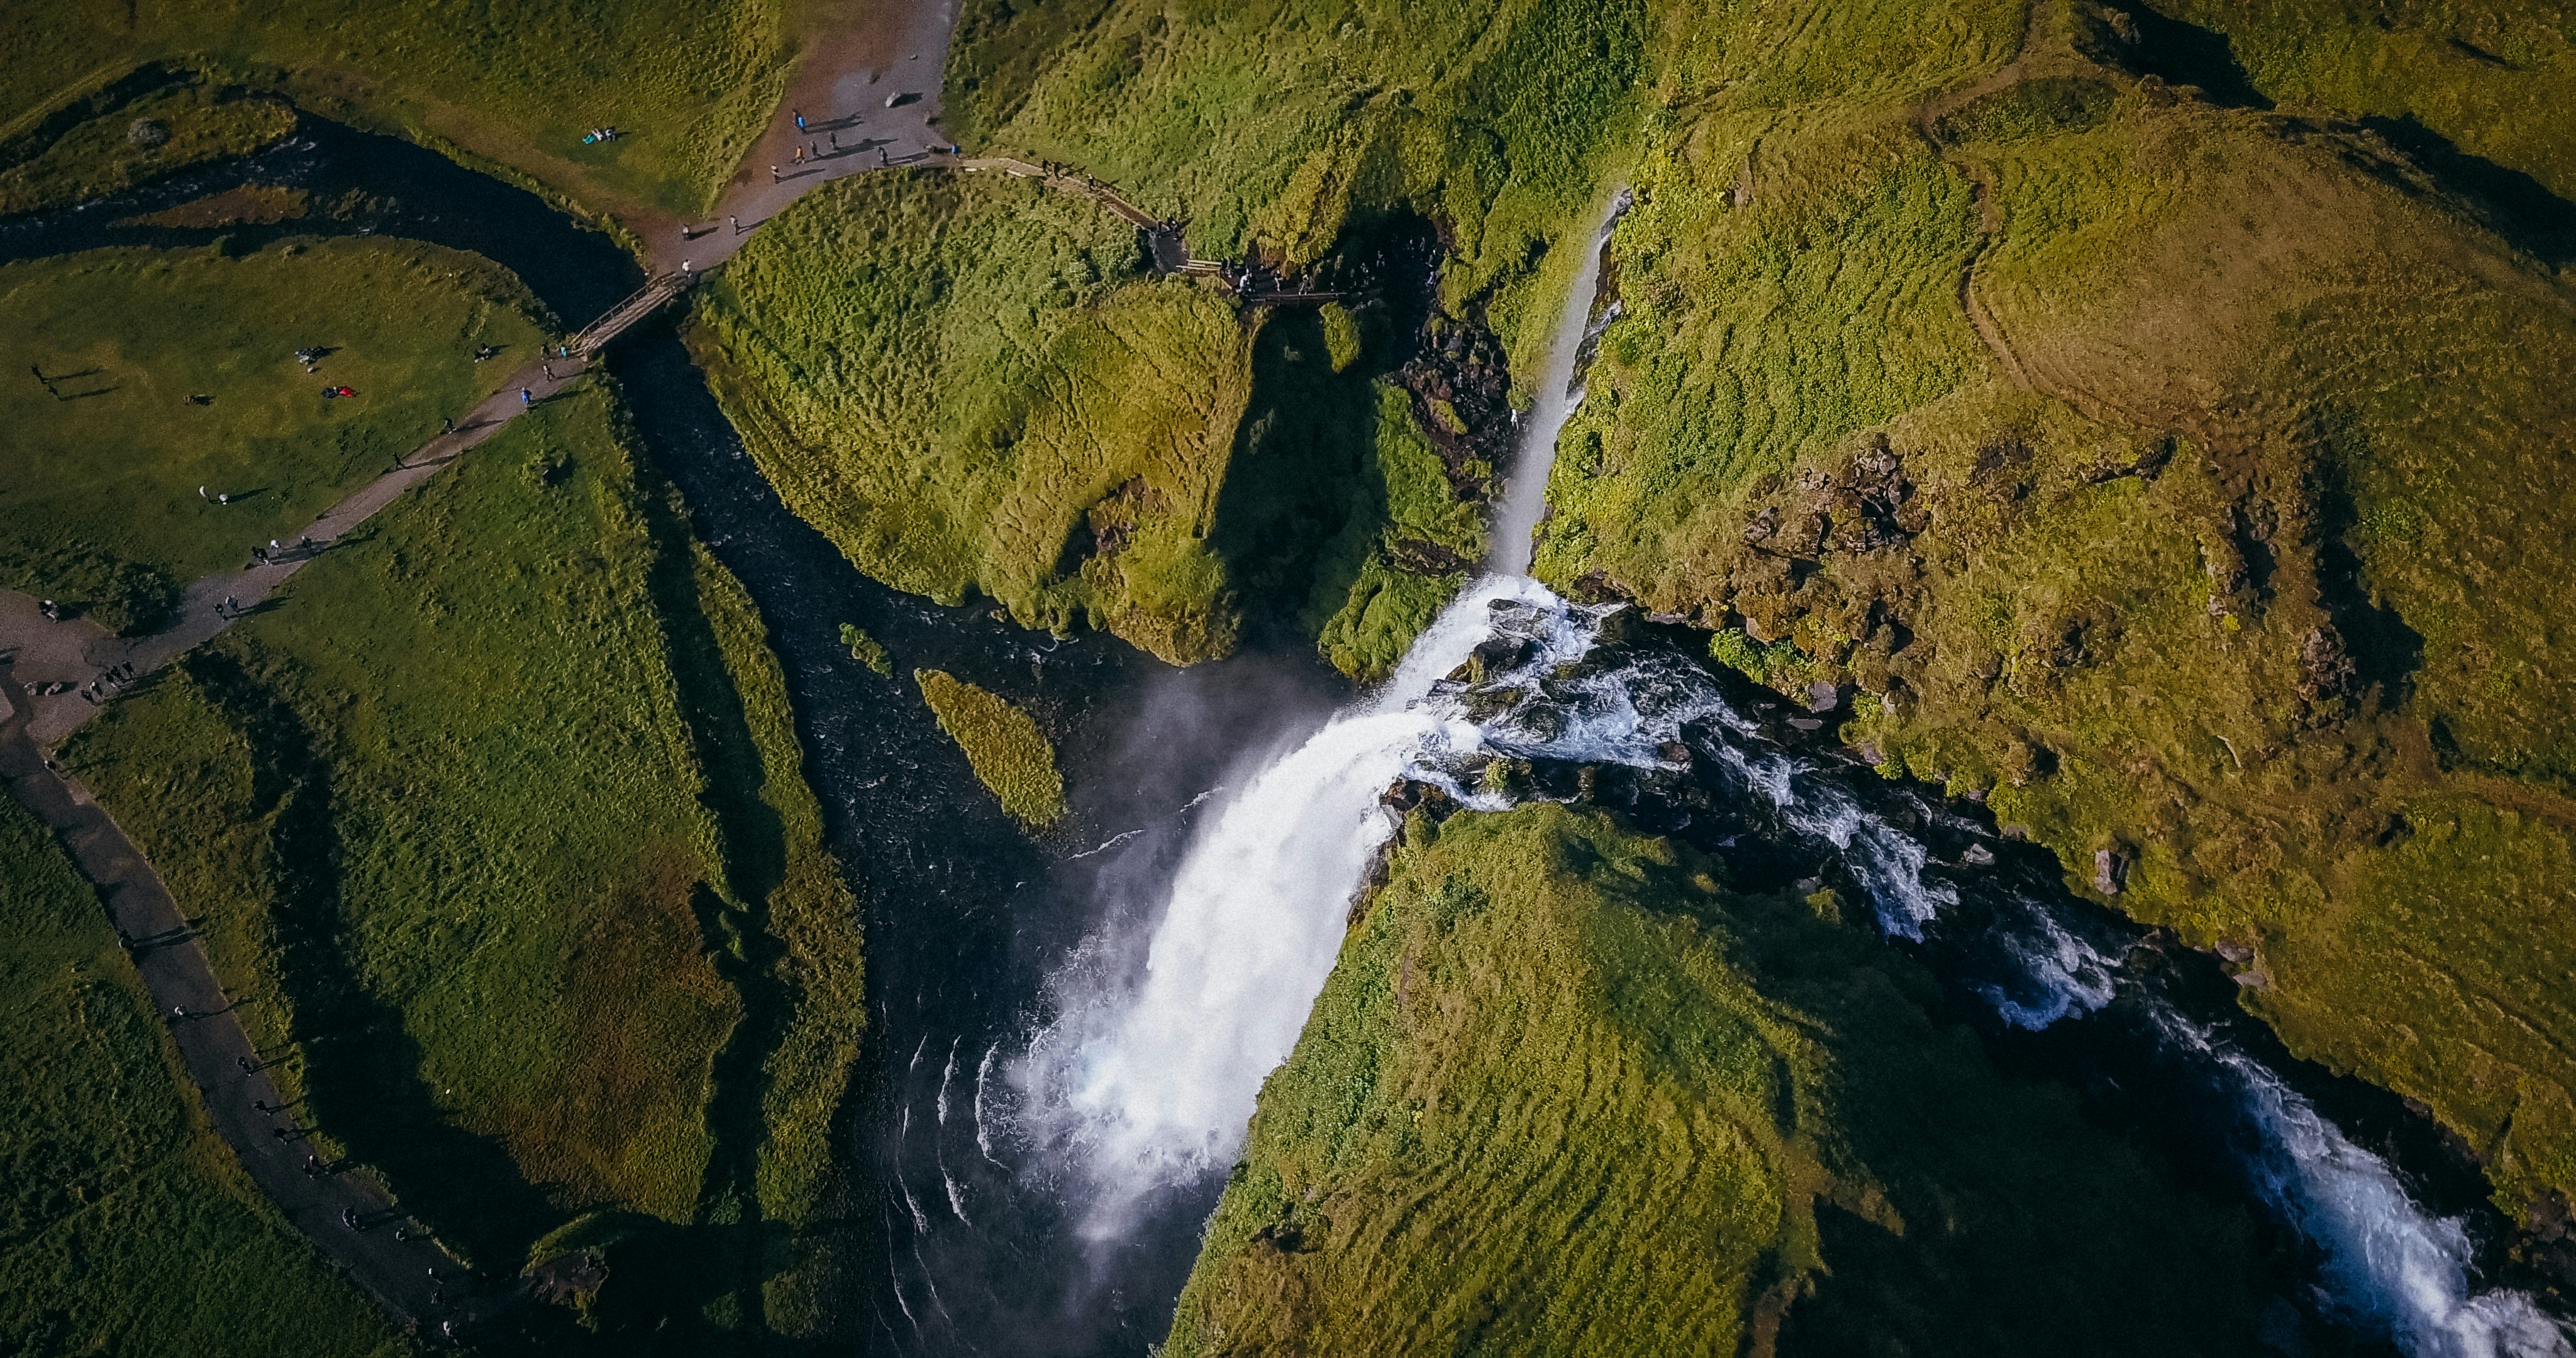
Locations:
(1554, 398)
(2389, 1265)
(1151, 1086)
(1144, 1083)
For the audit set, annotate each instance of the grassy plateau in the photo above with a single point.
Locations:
(125, 1226)
(99, 496)
(687, 86)
(2182, 477)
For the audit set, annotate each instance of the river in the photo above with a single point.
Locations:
(1043, 1119)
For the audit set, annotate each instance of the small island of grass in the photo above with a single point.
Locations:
(1010, 754)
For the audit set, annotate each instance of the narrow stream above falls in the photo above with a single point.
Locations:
(1044, 1121)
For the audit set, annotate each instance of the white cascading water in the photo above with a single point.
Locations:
(1525, 491)
(1151, 1086)
(2389, 1265)
(1154, 1087)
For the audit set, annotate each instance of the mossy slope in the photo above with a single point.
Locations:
(962, 381)
(1565, 1094)
(2213, 523)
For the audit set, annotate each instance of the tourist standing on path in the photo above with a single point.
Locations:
(800, 119)
(527, 397)
(446, 427)
(550, 370)
(735, 223)
(773, 174)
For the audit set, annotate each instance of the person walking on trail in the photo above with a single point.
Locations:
(836, 141)
(550, 370)
(800, 119)
(527, 397)
(735, 223)
(800, 155)
(446, 427)
(773, 174)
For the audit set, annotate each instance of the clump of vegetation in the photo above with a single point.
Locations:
(241, 205)
(1009, 753)
(106, 497)
(962, 382)
(501, 814)
(160, 134)
(125, 1225)
(688, 87)
(1416, 540)
(865, 649)
(1564, 1092)
(2241, 572)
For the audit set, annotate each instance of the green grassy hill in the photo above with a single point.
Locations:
(1565, 1093)
(100, 503)
(499, 813)
(687, 86)
(125, 1225)
(955, 376)
(2157, 430)
(2213, 520)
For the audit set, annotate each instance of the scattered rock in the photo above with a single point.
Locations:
(2253, 980)
(1806, 723)
(2108, 870)
(2234, 951)
(1823, 697)
(1977, 856)
(2016, 830)
(147, 133)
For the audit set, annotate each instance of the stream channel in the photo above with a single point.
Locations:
(2378, 1232)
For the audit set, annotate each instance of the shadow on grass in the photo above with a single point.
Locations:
(730, 1247)
(2181, 53)
(361, 1068)
(2514, 205)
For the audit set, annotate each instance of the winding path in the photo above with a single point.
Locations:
(413, 1277)
(48, 667)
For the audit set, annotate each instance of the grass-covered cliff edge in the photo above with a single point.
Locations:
(2184, 477)
(2154, 429)
(1568, 1092)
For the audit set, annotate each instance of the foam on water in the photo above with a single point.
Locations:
(2389, 1266)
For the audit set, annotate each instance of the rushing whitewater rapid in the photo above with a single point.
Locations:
(1143, 1082)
